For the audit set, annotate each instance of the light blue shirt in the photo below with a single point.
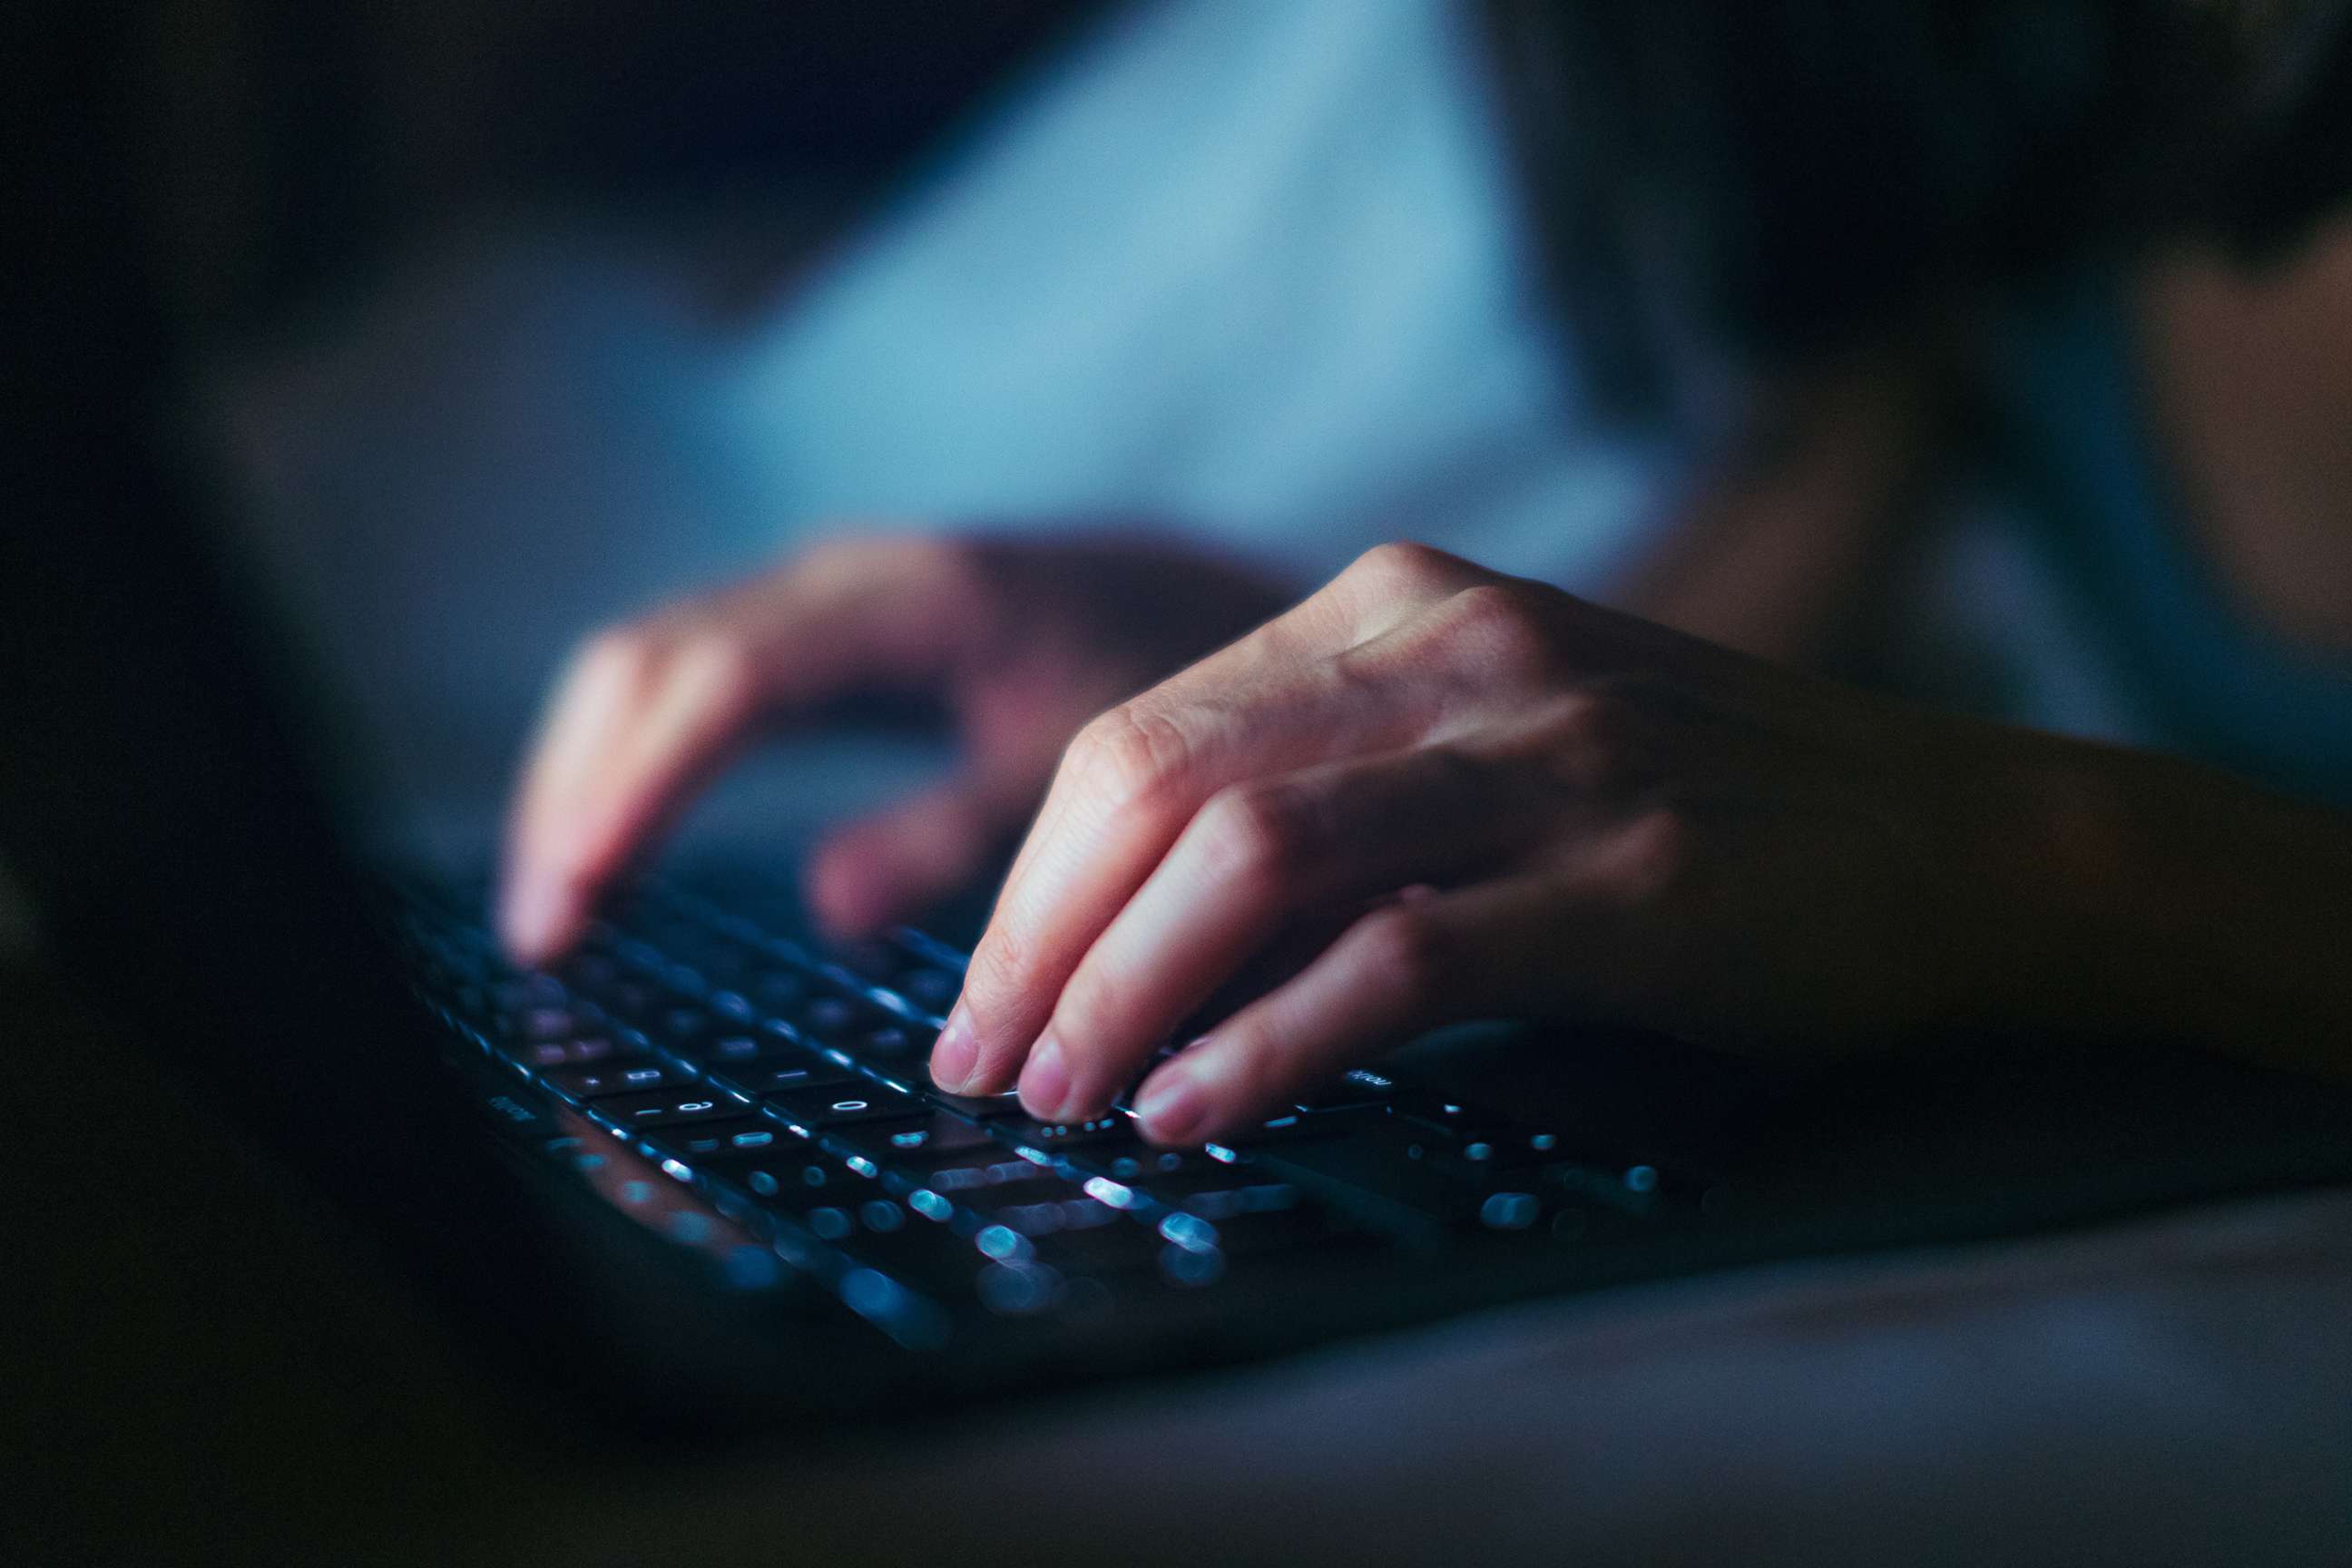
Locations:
(1252, 268)
(1249, 269)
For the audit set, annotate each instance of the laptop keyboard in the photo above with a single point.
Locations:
(784, 1080)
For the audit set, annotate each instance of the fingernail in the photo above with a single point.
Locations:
(956, 1053)
(1171, 1108)
(1046, 1081)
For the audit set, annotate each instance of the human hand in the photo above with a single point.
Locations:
(1512, 804)
(1017, 641)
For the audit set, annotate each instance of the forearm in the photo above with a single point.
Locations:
(2185, 904)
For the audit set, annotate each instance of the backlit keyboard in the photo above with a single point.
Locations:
(783, 1081)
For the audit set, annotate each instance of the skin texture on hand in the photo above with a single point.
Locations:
(1016, 641)
(1517, 805)
(1429, 792)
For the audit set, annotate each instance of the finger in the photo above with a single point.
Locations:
(1257, 858)
(1406, 968)
(647, 712)
(856, 614)
(1276, 700)
(631, 735)
(886, 868)
(1124, 792)
(1284, 659)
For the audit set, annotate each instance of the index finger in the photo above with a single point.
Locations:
(646, 712)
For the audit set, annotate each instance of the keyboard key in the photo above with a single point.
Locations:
(983, 1107)
(1220, 1202)
(1510, 1211)
(1050, 1204)
(784, 1180)
(1358, 1086)
(839, 1104)
(1467, 1122)
(746, 1048)
(930, 990)
(629, 999)
(927, 1258)
(781, 1076)
(894, 1143)
(1142, 1165)
(1052, 1135)
(615, 1077)
(1054, 1216)
(1633, 1189)
(1386, 1173)
(777, 990)
(586, 973)
(877, 963)
(971, 1174)
(745, 1135)
(566, 1053)
(891, 1043)
(665, 1108)
(548, 1024)
(1298, 1126)
(724, 964)
(1488, 1158)
(530, 990)
(1250, 1220)
(680, 1025)
(832, 1020)
(1117, 1246)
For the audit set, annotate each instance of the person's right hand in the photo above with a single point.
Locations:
(1021, 641)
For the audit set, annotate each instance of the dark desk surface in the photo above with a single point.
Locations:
(202, 1366)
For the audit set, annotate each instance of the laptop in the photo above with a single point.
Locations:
(694, 1181)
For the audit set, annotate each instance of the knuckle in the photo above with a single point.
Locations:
(1407, 951)
(1403, 565)
(1499, 631)
(1609, 733)
(856, 546)
(719, 667)
(1654, 854)
(1593, 724)
(1097, 1005)
(835, 554)
(911, 554)
(1259, 835)
(624, 655)
(1125, 755)
(1590, 715)
(1088, 1001)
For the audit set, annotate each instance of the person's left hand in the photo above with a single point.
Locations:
(1510, 804)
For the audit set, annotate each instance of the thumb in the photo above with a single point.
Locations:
(888, 867)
